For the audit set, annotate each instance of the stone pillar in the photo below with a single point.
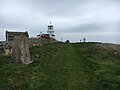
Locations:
(20, 50)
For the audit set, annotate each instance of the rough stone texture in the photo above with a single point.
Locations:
(40, 41)
(20, 50)
(7, 52)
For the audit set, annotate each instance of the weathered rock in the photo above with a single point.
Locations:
(7, 52)
(20, 50)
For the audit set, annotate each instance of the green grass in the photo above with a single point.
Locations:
(63, 67)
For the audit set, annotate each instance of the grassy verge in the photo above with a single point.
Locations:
(63, 67)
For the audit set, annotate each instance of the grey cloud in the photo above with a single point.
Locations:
(96, 27)
(71, 18)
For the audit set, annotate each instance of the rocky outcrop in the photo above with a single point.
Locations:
(20, 50)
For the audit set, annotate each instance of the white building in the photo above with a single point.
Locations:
(50, 30)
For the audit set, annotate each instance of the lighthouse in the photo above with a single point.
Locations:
(50, 30)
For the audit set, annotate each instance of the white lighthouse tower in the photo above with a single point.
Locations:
(50, 30)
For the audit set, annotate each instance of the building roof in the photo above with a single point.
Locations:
(10, 35)
(17, 33)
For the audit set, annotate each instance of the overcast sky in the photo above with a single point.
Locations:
(95, 20)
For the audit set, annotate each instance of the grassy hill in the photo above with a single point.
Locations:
(84, 66)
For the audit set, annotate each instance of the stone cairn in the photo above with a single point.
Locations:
(20, 50)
